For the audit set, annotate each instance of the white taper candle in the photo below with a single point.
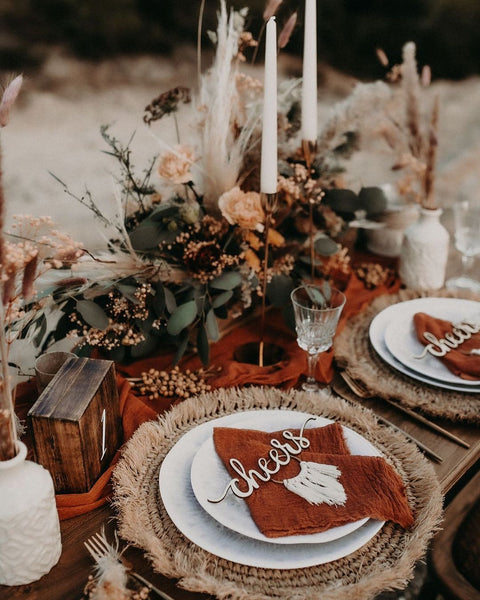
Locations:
(269, 166)
(309, 81)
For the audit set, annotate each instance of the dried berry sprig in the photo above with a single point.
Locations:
(373, 275)
(166, 103)
(155, 384)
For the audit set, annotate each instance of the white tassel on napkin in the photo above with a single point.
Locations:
(318, 484)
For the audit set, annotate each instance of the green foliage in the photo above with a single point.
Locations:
(92, 314)
(182, 317)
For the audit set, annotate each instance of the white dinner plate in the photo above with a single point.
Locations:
(401, 338)
(209, 479)
(377, 338)
(206, 532)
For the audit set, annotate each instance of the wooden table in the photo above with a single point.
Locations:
(67, 579)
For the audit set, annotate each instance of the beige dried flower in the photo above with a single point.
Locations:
(287, 31)
(175, 165)
(243, 209)
(8, 98)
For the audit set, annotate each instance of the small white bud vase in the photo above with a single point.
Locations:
(424, 252)
(30, 543)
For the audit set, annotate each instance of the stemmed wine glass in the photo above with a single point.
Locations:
(317, 310)
(466, 215)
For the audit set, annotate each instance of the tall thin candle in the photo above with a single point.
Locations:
(309, 82)
(269, 168)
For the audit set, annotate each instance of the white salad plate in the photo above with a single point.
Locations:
(402, 342)
(208, 533)
(209, 479)
(378, 327)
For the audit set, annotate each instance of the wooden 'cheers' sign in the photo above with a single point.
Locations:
(76, 423)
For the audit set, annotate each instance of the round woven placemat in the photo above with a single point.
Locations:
(355, 354)
(385, 562)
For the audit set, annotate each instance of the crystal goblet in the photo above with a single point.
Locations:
(466, 215)
(317, 310)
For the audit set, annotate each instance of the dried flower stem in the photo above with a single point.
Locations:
(412, 86)
(7, 423)
(199, 42)
(431, 157)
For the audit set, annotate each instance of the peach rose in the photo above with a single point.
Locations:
(242, 208)
(174, 166)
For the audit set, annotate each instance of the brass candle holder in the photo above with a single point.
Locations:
(309, 150)
(261, 353)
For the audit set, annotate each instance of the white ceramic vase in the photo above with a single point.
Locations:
(30, 543)
(424, 252)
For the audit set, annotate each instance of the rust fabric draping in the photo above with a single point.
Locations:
(135, 409)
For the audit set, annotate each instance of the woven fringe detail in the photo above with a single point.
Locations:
(354, 353)
(384, 563)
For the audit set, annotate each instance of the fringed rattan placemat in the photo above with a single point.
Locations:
(386, 562)
(355, 354)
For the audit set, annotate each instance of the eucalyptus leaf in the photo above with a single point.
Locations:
(163, 211)
(279, 290)
(316, 296)
(325, 246)
(170, 302)
(222, 299)
(128, 291)
(212, 326)
(181, 347)
(327, 290)
(41, 330)
(93, 314)
(227, 281)
(203, 346)
(306, 260)
(146, 237)
(159, 300)
(182, 317)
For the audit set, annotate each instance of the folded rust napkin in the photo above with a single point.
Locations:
(351, 487)
(458, 360)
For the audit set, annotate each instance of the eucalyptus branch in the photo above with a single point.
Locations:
(86, 201)
(123, 155)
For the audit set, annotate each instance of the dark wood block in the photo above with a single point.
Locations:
(76, 423)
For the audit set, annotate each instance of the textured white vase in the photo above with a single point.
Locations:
(30, 543)
(424, 252)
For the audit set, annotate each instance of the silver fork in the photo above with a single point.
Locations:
(362, 392)
(98, 546)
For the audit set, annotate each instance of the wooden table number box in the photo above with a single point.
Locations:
(76, 423)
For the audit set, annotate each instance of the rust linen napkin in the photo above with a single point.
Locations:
(371, 486)
(458, 360)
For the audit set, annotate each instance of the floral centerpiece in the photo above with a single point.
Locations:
(187, 246)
